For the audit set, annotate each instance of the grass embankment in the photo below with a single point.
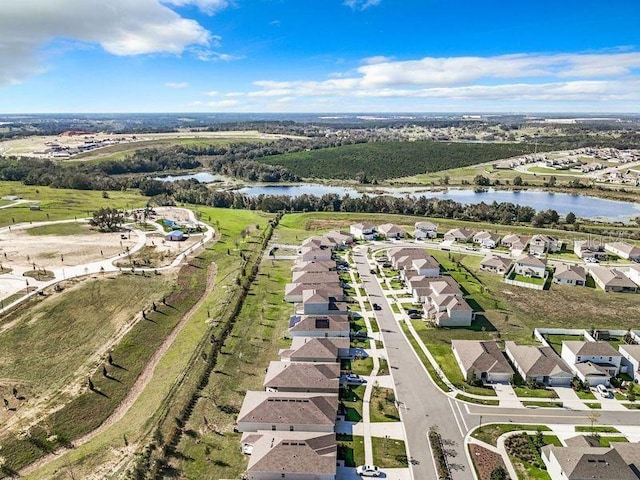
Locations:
(94, 404)
(108, 450)
(388, 159)
(70, 228)
(64, 329)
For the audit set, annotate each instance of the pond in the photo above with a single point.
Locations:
(202, 177)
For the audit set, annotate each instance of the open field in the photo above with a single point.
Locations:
(50, 348)
(113, 448)
(62, 204)
(35, 145)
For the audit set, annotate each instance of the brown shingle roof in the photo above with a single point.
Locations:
(289, 408)
(302, 375)
(481, 356)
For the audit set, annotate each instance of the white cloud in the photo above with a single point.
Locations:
(207, 55)
(120, 27)
(223, 103)
(176, 84)
(361, 4)
(207, 6)
(599, 77)
(212, 93)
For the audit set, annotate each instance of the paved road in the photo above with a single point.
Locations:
(422, 404)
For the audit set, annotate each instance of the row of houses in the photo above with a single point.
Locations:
(443, 301)
(593, 362)
(289, 428)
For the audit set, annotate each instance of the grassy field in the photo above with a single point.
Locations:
(65, 329)
(490, 433)
(352, 398)
(350, 449)
(61, 204)
(105, 451)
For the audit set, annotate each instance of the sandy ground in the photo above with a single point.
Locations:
(18, 249)
(36, 145)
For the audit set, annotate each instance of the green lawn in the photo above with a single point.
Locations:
(606, 441)
(352, 398)
(597, 428)
(423, 358)
(521, 278)
(389, 453)
(382, 405)
(490, 433)
(362, 366)
(350, 449)
(71, 228)
(479, 401)
(542, 404)
(535, 392)
(583, 395)
(384, 367)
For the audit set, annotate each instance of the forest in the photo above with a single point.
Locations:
(384, 160)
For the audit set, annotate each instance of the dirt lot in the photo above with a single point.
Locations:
(20, 249)
(157, 252)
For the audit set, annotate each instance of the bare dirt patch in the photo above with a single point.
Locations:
(19, 249)
(485, 460)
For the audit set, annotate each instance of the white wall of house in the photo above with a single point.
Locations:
(465, 374)
(456, 319)
(553, 468)
(633, 365)
(523, 270)
(422, 234)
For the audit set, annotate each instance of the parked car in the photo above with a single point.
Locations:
(602, 390)
(368, 471)
(354, 379)
(377, 307)
(415, 316)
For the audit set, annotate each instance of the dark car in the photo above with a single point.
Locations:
(377, 307)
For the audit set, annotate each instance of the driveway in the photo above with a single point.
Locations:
(506, 395)
(570, 399)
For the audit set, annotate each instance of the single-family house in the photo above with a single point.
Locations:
(400, 257)
(495, 264)
(318, 242)
(530, 266)
(539, 364)
(619, 461)
(424, 288)
(294, 292)
(339, 238)
(314, 267)
(589, 249)
(363, 231)
(541, 244)
(424, 230)
(302, 377)
(288, 411)
(633, 272)
(461, 235)
(481, 360)
(312, 253)
(314, 278)
(319, 326)
(516, 243)
(612, 280)
(630, 360)
(566, 274)
(426, 267)
(391, 231)
(623, 250)
(319, 302)
(316, 349)
(593, 362)
(486, 239)
(292, 455)
(450, 311)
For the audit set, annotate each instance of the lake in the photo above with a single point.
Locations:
(582, 205)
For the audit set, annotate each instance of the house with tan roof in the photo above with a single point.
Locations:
(566, 274)
(541, 244)
(461, 235)
(302, 377)
(312, 253)
(481, 360)
(486, 239)
(319, 326)
(363, 231)
(338, 238)
(320, 302)
(581, 461)
(391, 231)
(316, 349)
(516, 243)
(294, 292)
(530, 266)
(424, 230)
(591, 249)
(539, 364)
(401, 257)
(294, 412)
(623, 250)
(496, 264)
(294, 455)
(612, 280)
(593, 362)
(314, 267)
(426, 267)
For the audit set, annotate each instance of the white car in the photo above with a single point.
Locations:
(368, 471)
(602, 390)
(354, 379)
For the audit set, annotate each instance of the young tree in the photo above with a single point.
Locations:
(571, 218)
(107, 219)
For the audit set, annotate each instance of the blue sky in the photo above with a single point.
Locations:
(319, 56)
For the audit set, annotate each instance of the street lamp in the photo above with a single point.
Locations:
(480, 427)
